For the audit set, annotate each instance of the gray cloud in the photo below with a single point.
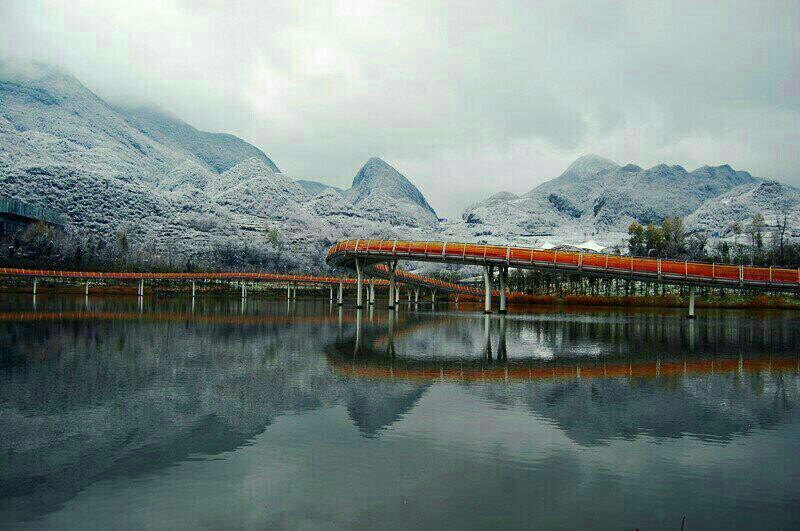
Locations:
(465, 98)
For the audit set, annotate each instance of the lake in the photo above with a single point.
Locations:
(274, 414)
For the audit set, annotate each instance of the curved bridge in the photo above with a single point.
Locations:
(360, 254)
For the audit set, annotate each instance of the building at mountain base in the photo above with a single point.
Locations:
(16, 216)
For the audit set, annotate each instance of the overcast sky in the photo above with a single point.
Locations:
(464, 98)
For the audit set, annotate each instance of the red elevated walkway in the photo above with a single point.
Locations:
(609, 265)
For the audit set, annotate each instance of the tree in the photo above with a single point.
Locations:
(696, 246)
(756, 233)
(122, 241)
(636, 240)
(654, 240)
(674, 237)
(779, 238)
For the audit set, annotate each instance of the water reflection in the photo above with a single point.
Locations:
(127, 388)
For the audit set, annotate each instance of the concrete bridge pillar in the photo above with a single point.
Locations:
(288, 291)
(340, 298)
(392, 267)
(691, 302)
(141, 288)
(397, 295)
(34, 286)
(86, 289)
(359, 283)
(433, 296)
(331, 288)
(487, 289)
(294, 290)
(372, 292)
(416, 295)
(194, 288)
(244, 291)
(502, 278)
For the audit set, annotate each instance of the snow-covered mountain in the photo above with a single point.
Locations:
(218, 151)
(381, 190)
(173, 188)
(597, 198)
(771, 199)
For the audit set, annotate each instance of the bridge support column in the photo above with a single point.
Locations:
(691, 302)
(34, 286)
(244, 291)
(487, 289)
(194, 288)
(331, 287)
(340, 298)
(372, 292)
(416, 295)
(359, 283)
(141, 288)
(397, 295)
(294, 291)
(502, 278)
(392, 267)
(433, 296)
(288, 291)
(86, 289)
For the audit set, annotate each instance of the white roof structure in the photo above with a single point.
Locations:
(546, 245)
(590, 245)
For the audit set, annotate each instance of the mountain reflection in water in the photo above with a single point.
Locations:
(110, 390)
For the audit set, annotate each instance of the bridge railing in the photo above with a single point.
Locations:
(521, 256)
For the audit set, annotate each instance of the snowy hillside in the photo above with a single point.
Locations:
(771, 199)
(218, 151)
(174, 189)
(596, 198)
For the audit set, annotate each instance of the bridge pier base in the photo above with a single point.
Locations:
(487, 289)
(359, 284)
(691, 302)
(502, 278)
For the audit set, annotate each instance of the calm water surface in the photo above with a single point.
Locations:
(275, 414)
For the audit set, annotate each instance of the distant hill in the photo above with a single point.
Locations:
(314, 187)
(219, 151)
(597, 198)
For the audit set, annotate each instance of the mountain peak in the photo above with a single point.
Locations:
(590, 164)
(378, 175)
(376, 167)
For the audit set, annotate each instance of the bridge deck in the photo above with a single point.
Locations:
(608, 265)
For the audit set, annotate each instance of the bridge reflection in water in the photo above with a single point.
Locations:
(142, 387)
